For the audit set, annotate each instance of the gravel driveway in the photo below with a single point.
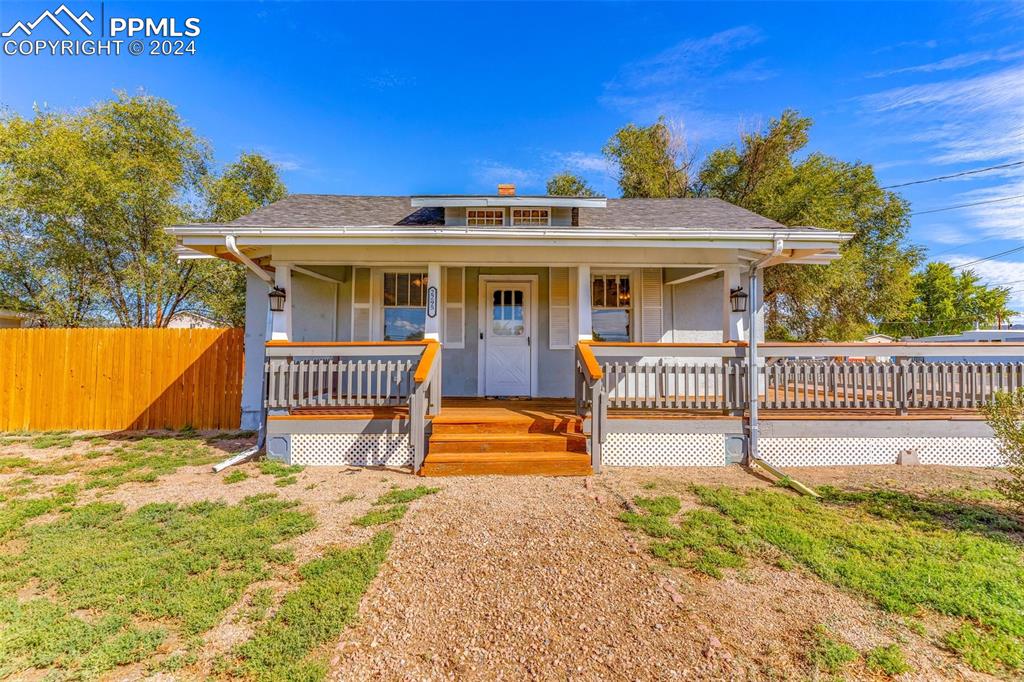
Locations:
(513, 578)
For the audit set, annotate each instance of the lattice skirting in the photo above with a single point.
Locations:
(824, 451)
(664, 449)
(358, 449)
(709, 449)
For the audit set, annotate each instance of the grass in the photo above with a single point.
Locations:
(181, 566)
(703, 540)
(16, 512)
(148, 459)
(905, 553)
(284, 474)
(392, 505)
(236, 476)
(8, 464)
(315, 613)
(400, 496)
(380, 516)
(888, 660)
(53, 439)
(828, 653)
(347, 498)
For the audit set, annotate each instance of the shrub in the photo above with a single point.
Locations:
(1005, 414)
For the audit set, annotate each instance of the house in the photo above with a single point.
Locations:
(506, 333)
(978, 335)
(14, 313)
(187, 319)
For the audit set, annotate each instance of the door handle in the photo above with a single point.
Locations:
(481, 336)
(528, 342)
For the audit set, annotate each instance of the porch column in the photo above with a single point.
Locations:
(584, 325)
(732, 323)
(432, 325)
(281, 329)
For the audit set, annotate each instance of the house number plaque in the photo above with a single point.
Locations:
(431, 301)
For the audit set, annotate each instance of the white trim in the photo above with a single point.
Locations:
(504, 216)
(315, 275)
(482, 321)
(697, 275)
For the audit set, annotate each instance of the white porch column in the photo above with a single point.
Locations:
(584, 325)
(732, 323)
(432, 326)
(282, 321)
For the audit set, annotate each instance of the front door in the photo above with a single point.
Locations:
(506, 337)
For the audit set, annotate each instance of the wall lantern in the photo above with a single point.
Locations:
(277, 300)
(738, 298)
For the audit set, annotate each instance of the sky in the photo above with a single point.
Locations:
(396, 98)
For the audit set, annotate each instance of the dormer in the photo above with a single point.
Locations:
(506, 209)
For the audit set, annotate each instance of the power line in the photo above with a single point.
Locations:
(994, 255)
(976, 203)
(956, 175)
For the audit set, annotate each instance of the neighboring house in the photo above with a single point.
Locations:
(396, 317)
(11, 319)
(189, 320)
(975, 336)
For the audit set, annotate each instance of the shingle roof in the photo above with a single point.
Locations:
(684, 213)
(330, 210)
(335, 210)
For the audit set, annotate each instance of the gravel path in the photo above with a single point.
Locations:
(513, 578)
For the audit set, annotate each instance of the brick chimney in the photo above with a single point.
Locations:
(506, 190)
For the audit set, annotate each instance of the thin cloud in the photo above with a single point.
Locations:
(493, 172)
(959, 61)
(675, 81)
(582, 161)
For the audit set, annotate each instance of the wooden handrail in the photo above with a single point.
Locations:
(617, 344)
(589, 362)
(426, 363)
(343, 344)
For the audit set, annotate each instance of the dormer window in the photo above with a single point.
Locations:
(485, 216)
(531, 216)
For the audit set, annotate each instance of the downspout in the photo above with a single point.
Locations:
(261, 434)
(753, 376)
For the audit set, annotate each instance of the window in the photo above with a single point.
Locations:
(507, 313)
(531, 216)
(485, 216)
(405, 305)
(612, 308)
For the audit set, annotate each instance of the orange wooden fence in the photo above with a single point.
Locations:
(120, 379)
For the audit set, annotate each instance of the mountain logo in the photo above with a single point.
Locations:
(78, 20)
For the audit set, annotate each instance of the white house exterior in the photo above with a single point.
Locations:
(512, 289)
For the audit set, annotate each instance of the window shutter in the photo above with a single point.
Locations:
(361, 304)
(560, 308)
(651, 304)
(454, 307)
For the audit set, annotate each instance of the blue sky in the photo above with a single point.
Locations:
(396, 98)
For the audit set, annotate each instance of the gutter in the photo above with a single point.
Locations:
(753, 378)
(261, 434)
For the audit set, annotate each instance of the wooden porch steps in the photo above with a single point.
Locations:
(506, 438)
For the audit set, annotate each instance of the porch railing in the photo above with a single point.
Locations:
(302, 375)
(826, 376)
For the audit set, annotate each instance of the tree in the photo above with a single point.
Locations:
(568, 184)
(245, 185)
(652, 161)
(85, 200)
(948, 303)
(1005, 416)
(872, 279)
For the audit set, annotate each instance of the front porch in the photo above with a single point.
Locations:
(646, 405)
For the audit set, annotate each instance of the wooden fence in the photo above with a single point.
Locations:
(120, 379)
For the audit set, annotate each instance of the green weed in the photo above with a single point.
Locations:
(8, 464)
(316, 612)
(377, 517)
(888, 660)
(57, 439)
(828, 653)
(236, 476)
(405, 496)
(347, 498)
(148, 459)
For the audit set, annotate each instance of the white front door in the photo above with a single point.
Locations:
(507, 339)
